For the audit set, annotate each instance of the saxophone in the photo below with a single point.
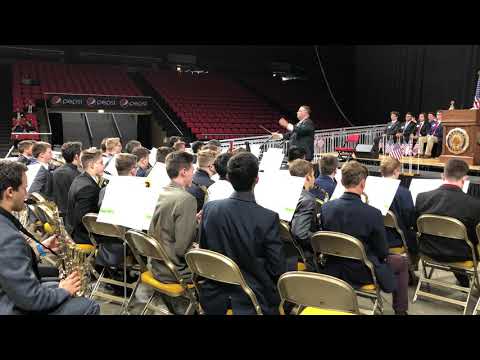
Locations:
(71, 258)
(364, 197)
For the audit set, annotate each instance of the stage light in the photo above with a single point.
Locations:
(101, 111)
(179, 68)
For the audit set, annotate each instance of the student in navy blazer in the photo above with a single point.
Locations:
(326, 179)
(349, 215)
(248, 234)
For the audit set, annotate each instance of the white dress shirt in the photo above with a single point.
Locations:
(221, 189)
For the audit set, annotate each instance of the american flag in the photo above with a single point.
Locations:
(396, 151)
(476, 100)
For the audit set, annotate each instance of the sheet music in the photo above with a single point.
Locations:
(255, 150)
(271, 160)
(380, 192)
(129, 201)
(152, 158)
(32, 173)
(111, 168)
(279, 192)
(418, 186)
(158, 175)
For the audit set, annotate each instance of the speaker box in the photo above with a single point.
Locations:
(365, 151)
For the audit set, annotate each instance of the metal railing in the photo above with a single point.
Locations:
(325, 140)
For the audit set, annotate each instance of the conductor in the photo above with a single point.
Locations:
(300, 135)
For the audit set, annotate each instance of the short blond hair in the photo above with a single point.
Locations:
(206, 158)
(388, 166)
(110, 143)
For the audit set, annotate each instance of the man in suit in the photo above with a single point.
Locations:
(25, 150)
(202, 177)
(403, 208)
(393, 128)
(302, 134)
(132, 145)
(426, 131)
(248, 234)
(349, 215)
(326, 180)
(408, 128)
(435, 135)
(305, 221)
(42, 184)
(113, 146)
(423, 128)
(63, 176)
(21, 288)
(83, 195)
(143, 164)
(196, 146)
(450, 200)
(174, 223)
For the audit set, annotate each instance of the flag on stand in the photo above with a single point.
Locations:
(476, 99)
(388, 147)
(396, 151)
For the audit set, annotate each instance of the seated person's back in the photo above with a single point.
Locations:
(202, 177)
(326, 183)
(248, 234)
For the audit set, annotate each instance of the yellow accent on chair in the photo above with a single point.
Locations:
(175, 289)
(301, 267)
(368, 287)
(310, 310)
(85, 248)
(397, 250)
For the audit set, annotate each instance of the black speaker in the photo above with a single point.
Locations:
(364, 151)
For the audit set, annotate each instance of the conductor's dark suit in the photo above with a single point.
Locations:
(302, 135)
(448, 200)
(62, 179)
(82, 199)
(349, 215)
(249, 235)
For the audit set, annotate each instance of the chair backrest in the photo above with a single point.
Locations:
(390, 221)
(290, 244)
(353, 138)
(317, 290)
(144, 245)
(218, 267)
(341, 245)
(94, 227)
(446, 227)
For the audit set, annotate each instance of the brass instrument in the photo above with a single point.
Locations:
(71, 258)
(364, 197)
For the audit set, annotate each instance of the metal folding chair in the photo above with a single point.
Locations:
(317, 294)
(345, 246)
(217, 267)
(101, 229)
(455, 230)
(143, 245)
(291, 247)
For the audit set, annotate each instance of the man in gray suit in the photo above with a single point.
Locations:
(21, 287)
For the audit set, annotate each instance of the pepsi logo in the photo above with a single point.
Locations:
(123, 102)
(91, 101)
(55, 100)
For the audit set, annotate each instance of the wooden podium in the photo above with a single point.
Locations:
(461, 136)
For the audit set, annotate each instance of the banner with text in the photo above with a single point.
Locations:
(97, 102)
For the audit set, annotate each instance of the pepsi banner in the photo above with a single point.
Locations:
(97, 102)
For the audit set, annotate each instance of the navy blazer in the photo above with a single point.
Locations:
(302, 136)
(200, 178)
(349, 215)
(408, 130)
(393, 129)
(436, 130)
(62, 179)
(326, 183)
(403, 208)
(249, 235)
(42, 184)
(448, 200)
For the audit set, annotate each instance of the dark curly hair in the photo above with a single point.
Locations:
(11, 173)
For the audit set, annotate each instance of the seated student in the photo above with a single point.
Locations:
(294, 153)
(21, 288)
(435, 135)
(349, 215)
(403, 208)
(83, 195)
(132, 145)
(174, 220)
(202, 176)
(25, 149)
(196, 146)
(326, 180)
(162, 153)
(113, 146)
(222, 188)
(176, 143)
(63, 176)
(248, 234)
(450, 200)
(42, 184)
(143, 164)
(305, 221)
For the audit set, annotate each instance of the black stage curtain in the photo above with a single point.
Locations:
(413, 78)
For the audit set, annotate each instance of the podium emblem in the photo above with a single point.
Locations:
(457, 141)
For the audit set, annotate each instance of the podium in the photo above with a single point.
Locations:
(461, 136)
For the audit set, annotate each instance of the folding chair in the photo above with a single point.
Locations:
(345, 246)
(217, 267)
(97, 228)
(346, 151)
(455, 230)
(317, 294)
(291, 247)
(143, 245)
